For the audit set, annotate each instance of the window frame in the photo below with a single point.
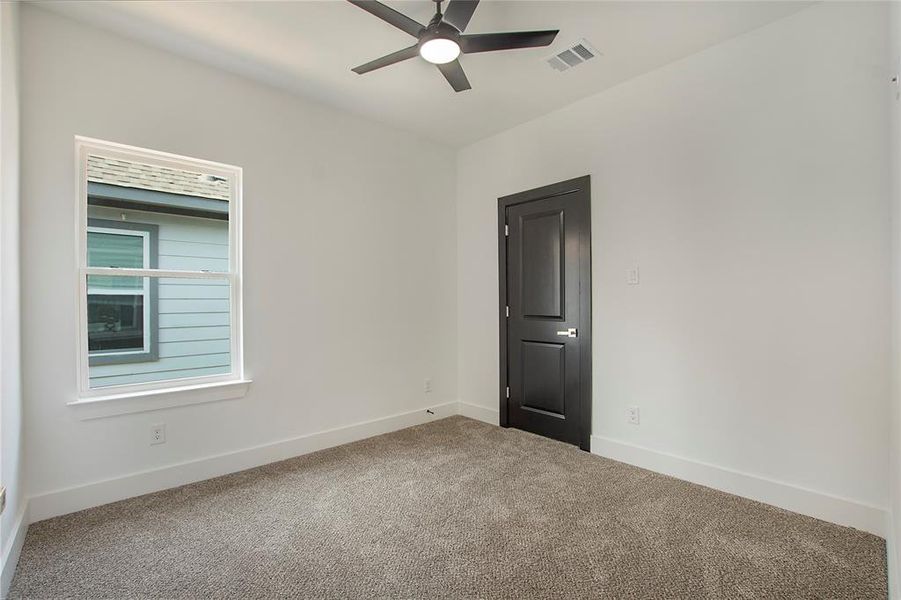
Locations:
(150, 236)
(83, 148)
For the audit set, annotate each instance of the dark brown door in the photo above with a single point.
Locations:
(545, 283)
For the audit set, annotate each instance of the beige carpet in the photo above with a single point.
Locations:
(451, 509)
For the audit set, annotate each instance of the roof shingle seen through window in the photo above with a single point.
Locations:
(149, 177)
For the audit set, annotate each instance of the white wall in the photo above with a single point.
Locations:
(894, 476)
(749, 183)
(11, 449)
(349, 253)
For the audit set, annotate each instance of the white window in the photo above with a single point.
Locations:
(121, 310)
(159, 272)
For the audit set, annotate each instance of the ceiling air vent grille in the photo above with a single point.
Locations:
(573, 56)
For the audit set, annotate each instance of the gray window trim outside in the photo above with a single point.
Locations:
(152, 326)
(117, 196)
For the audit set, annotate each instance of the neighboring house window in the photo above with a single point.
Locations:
(122, 310)
(159, 271)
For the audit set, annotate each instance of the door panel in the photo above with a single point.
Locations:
(545, 286)
(543, 370)
(541, 264)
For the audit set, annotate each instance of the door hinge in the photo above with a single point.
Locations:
(508, 391)
(508, 312)
(506, 229)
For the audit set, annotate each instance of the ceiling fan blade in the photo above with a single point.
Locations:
(389, 15)
(459, 12)
(390, 59)
(453, 72)
(489, 42)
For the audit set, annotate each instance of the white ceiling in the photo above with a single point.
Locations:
(309, 48)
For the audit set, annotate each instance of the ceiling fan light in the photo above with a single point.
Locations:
(439, 51)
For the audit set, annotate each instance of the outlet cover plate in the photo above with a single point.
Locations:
(632, 415)
(158, 434)
(632, 276)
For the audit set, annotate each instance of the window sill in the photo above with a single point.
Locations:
(136, 402)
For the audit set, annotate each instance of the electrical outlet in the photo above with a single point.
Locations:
(427, 385)
(632, 415)
(158, 434)
(632, 276)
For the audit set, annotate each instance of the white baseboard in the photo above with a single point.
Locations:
(13, 550)
(842, 511)
(64, 501)
(480, 413)
(892, 558)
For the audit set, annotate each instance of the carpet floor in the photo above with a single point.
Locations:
(451, 509)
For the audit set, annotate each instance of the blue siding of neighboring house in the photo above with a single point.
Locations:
(193, 321)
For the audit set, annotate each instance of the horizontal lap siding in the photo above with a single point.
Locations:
(167, 364)
(159, 376)
(193, 321)
(188, 334)
(182, 306)
(193, 315)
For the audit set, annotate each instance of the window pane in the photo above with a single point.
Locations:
(186, 331)
(120, 312)
(190, 210)
(185, 243)
(115, 250)
(115, 322)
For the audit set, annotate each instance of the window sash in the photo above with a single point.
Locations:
(235, 349)
(85, 147)
(102, 291)
(145, 347)
(145, 295)
(144, 235)
(122, 272)
(143, 291)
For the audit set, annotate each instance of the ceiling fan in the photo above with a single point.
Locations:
(442, 41)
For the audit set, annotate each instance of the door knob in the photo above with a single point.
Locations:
(571, 332)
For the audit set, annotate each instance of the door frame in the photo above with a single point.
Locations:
(563, 188)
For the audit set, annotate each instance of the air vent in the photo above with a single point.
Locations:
(573, 56)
